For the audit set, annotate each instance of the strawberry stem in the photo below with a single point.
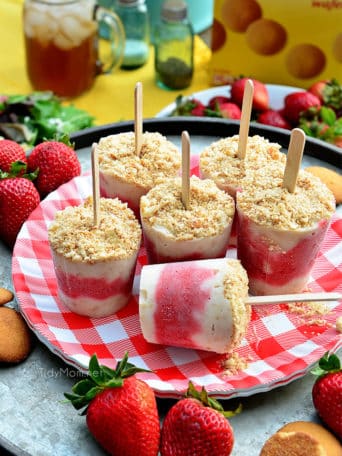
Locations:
(18, 169)
(208, 401)
(100, 378)
(327, 364)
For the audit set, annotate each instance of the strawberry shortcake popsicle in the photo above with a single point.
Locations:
(128, 175)
(95, 265)
(173, 233)
(279, 232)
(221, 163)
(195, 304)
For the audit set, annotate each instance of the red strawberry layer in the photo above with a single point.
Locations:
(75, 286)
(270, 264)
(177, 311)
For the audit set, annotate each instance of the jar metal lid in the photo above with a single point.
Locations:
(130, 2)
(174, 10)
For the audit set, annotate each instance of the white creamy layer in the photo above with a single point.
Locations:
(282, 240)
(112, 187)
(94, 308)
(215, 319)
(209, 247)
(262, 288)
(107, 271)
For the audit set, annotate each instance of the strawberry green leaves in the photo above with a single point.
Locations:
(321, 123)
(100, 378)
(328, 363)
(18, 169)
(208, 401)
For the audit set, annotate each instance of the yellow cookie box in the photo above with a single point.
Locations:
(292, 42)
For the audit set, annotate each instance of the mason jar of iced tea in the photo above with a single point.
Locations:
(64, 50)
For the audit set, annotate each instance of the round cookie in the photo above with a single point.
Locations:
(5, 296)
(337, 48)
(330, 178)
(237, 15)
(266, 37)
(218, 36)
(305, 61)
(302, 438)
(15, 337)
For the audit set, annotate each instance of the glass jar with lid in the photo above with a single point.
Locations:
(174, 46)
(134, 16)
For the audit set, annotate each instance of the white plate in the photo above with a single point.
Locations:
(277, 94)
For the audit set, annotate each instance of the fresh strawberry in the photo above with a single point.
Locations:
(10, 152)
(188, 107)
(317, 89)
(121, 409)
(215, 102)
(330, 94)
(261, 97)
(273, 118)
(198, 109)
(338, 141)
(327, 392)
(322, 123)
(18, 198)
(57, 163)
(230, 111)
(297, 103)
(196, 425)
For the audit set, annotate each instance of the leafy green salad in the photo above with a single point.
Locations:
(31, 119)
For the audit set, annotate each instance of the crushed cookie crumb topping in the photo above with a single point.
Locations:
(274, 206)
(73, 234)
(159, 158)
(236, 291)
(220, 161)
(211, 209)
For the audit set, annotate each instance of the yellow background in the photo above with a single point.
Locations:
(111, 99)
(303, 23)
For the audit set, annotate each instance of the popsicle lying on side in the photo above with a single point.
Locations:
(197, 304)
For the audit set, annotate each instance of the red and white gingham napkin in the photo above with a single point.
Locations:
(279, 346)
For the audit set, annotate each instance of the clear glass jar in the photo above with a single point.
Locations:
(174, 46)
(134, 16)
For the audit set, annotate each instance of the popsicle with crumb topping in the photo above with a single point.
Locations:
(195, 304)
(95, 265)
(280, 232)
(220, 162)
(127, 175)
(173, 233)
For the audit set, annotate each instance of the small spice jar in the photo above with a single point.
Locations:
(174, 46)
(135, 19)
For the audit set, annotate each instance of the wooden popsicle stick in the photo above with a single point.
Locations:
(299, 297)
(294, 159)
(138, 130)
(245, 118)
(96, 183)
(185, 169)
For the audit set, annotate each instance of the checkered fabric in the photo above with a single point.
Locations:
(279, 346)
